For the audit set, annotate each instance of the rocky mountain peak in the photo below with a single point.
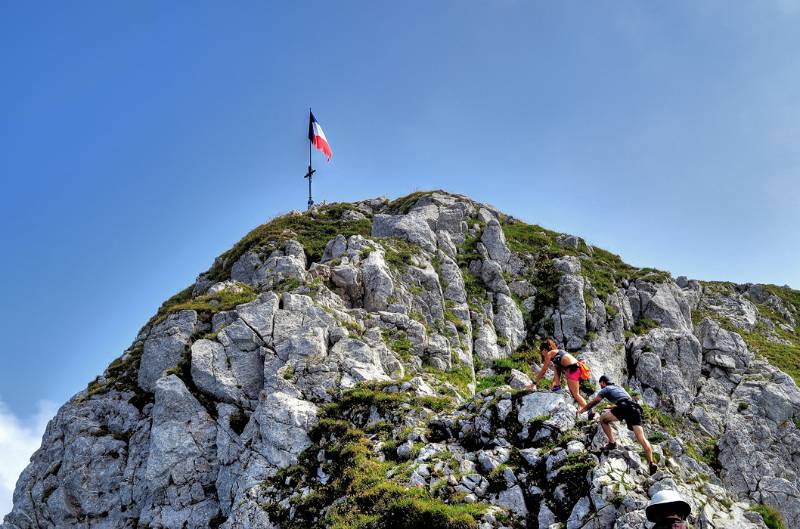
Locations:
(367, 364)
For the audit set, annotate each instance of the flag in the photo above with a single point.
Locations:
(317, 137)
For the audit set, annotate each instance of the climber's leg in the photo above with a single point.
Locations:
(556, 377)
(575, 388)
(605, 423)
(638, 431)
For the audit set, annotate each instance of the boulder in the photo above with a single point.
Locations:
(412, 227)
(570, 319)
(508, 323)
(494, 240)
(669, 362)
(722, 348)
(557, 412)
(377, 282)
(165, 346)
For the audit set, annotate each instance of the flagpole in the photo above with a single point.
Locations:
(310, 170)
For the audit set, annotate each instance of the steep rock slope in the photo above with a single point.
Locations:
(366, 365)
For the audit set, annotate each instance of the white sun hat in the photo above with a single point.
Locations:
(665, 497)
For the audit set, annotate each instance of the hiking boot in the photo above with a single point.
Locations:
(609, 447)
(653, 468)
(556, 389)
(591, 415)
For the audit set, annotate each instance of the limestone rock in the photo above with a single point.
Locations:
(412, 227)
(722, 348)
(165, 346)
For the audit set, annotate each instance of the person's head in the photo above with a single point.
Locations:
(604, 381)
(547, 345)
(667, 503)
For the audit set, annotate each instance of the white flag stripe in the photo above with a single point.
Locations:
(318, 131)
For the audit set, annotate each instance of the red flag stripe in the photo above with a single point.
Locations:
(320, 141)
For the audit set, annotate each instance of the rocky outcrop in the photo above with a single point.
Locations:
(165, 346)
(326, 367)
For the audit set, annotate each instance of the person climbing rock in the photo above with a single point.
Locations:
(563, 362)
(625, 409)
(668, 510)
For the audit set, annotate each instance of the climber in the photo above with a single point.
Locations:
(668, 510)
(562, 362)
(625, 409)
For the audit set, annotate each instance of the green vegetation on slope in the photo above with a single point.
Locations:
(784, 355)
(772, 518)
(312, 232)
(206, 305)
(359, 494)
(603, 269)
(122, 375)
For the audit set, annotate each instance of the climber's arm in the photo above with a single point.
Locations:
(543, 370)
(591, 404)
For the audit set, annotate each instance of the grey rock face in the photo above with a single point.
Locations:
(509, 323)
(259, 315)
(664, 303)
(722, 348)
(181, 463)
(495, 242)
(139, 448)
(519, 380)
(733, 306)
(378, 286)
(570, 319)
(262, 272)
(166, 345)
(560, 413)
(670, 362)
(233, 372)
(491, 273)
(485, 345)
(279, 428)
(412, 227)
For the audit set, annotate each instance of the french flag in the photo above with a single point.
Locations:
(317, 137)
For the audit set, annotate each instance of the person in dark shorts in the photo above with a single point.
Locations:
(625, 409)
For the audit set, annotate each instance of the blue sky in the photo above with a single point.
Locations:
(139, 141)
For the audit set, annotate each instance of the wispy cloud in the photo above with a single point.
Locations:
(19, 438)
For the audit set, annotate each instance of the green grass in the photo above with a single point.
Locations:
(706, 453)
(206, 305)
(658, 417)
(772, 518)
(312, 233)
(643, 326)
(398, 252)
(603, 269)
(455, 320)
(572, 472)
(785, 357)
(365, 396)
(122, 375)
(402, 205)
(492, 381)
(359, 495)
(530, 238)
(458, 376)
(790, 297)
(399, 343)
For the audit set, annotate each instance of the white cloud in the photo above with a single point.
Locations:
(19, 439)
